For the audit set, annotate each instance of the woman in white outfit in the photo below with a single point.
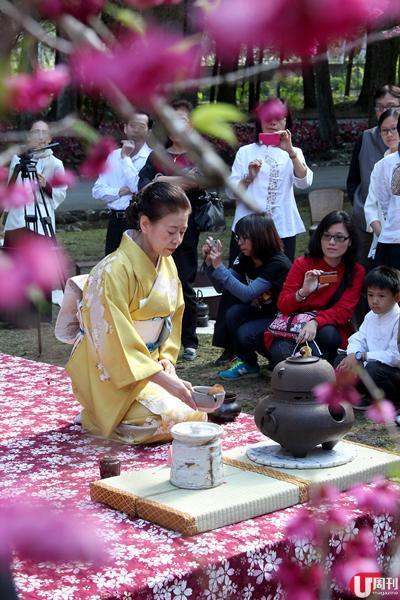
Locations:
(47, 166)
(382, 203)
(268, 173)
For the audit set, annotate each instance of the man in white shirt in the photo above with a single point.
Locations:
(376, 343)
(117, 184)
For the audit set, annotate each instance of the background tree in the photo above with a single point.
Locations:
(327, 124)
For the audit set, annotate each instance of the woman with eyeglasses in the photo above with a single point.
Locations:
(379, 208)
(332, 249)
(369, 148)
(250, 291)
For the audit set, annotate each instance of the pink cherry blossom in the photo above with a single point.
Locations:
(60, 179)
(360, 557)
(12, 285)
(37, 532)
(272, 110)
(334, 393)
(302, 524)
(14, 196)
(299, 581)
(81, 10)
(291, 26)
(34, 92)
(344, 571)
(34, 261)
(382, 412)
(326, 498)
(96, 158)
(382, 498)
(40, 262)
(146, 64)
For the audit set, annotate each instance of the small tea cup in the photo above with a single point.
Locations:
(204, 401)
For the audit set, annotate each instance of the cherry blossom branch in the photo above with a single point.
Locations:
(33, 27)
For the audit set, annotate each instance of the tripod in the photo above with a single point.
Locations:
(37, 220)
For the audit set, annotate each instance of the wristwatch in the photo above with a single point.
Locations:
(358, 355)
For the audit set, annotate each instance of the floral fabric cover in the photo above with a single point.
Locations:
(42, 454)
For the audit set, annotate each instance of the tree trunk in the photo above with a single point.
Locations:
(349, 68)
(226, 92)
(214, 73)
(307, 68)
(327, 124)
(252, 83)
(380, 69)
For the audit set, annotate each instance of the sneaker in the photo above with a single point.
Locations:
(397, 420)
(189, 354)
(225, 358)
(240, 369)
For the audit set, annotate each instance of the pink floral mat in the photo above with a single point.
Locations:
(43, 454)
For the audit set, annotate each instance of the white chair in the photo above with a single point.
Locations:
(322, 202)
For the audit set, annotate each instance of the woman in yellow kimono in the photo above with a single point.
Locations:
(122, 366)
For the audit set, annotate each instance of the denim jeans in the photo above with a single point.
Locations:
(246, 325)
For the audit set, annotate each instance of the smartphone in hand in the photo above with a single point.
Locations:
(328, 277)
(269, 139)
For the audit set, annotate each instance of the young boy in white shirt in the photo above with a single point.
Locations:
(377, 343)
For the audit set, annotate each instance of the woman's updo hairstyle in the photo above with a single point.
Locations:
(156, 200)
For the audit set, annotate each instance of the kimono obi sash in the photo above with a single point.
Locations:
(154, 331)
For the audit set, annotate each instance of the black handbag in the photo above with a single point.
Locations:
(209, 213)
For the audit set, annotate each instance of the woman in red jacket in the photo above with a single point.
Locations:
(333, 248)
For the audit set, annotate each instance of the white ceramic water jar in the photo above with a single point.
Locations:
(196, 455)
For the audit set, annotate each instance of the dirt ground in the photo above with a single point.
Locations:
(202, 371)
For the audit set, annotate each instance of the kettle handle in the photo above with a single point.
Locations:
(268, 411)
(312, 342)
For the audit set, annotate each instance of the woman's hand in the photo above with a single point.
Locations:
(254, 168)
(206, 249)
(167, 366)
(216, 254)
(175, 386)
(311, 282)
(183, 390)
(308, 332)
(286, 141)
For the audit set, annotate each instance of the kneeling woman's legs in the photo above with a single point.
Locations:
(151, 416)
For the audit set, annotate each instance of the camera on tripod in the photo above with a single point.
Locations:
(27, 162)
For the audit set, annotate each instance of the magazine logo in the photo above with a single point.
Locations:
(363, 585)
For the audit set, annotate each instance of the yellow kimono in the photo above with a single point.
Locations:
(110, 365)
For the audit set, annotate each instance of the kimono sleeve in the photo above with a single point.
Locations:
(170, 349)
(123, 355)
